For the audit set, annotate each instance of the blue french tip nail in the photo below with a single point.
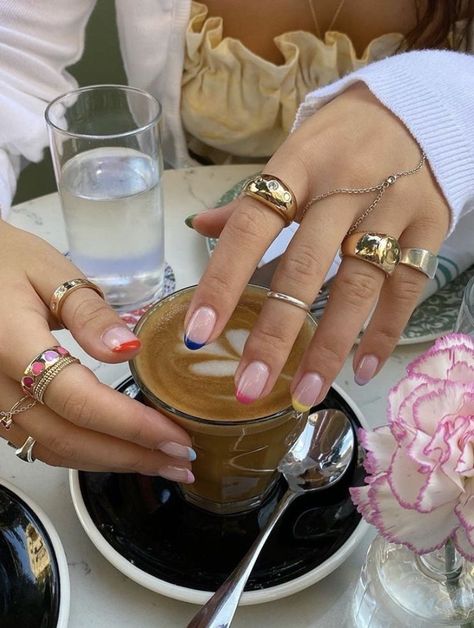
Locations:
(193, 345)
(192, 455)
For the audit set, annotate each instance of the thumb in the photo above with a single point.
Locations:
(211, 222)
(97, 328)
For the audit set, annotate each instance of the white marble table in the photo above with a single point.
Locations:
(101, 597)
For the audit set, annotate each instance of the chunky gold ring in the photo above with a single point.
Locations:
(25, 452)
(286, 298)
(273, 193)
(420, 259)
(378, 249)
(43, 369)
(61, 293)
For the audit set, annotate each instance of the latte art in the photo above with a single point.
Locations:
(201, 382)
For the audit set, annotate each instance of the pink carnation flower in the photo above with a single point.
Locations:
(420, 488)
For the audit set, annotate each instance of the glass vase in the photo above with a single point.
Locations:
(399, 589)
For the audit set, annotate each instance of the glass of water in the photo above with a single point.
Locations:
(465, 322)
(106, 149)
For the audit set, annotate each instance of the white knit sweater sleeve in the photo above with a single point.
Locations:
(432, 92)
(38, 40)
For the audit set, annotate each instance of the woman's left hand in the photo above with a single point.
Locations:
(352, 142)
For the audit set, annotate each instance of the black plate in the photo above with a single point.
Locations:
(147, 521)
(29, 574)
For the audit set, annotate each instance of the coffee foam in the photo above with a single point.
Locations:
(201, 383)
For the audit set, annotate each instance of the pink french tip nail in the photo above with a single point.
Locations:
(307, 392)
(177, 474)
(251, 382)
(366, 369)
(119, 339)
(200, 327)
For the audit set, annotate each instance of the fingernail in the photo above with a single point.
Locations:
(178, 451)
(252, 382)
(366, 369)
(306, 392)
(188, 221)
(177, 474)
(120, 339)
(200, 327)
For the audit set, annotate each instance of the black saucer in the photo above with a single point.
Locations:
(29, 573)
(147, 521)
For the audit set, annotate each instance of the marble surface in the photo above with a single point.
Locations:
(101, 596)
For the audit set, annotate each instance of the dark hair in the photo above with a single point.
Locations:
(435, 22)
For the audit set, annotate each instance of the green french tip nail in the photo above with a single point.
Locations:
(189, 220)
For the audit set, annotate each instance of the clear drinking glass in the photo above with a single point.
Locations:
(106, 150)
(465, 322)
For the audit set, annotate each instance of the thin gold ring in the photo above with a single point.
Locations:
(65, 289)
(286, 298)
(378, 249)
(272, 192)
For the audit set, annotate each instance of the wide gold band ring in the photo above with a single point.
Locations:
(286, 298)
(65, 289)
(273, 193)
(378, 249)
(420, 259)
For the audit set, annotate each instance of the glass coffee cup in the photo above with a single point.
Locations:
(238, 446)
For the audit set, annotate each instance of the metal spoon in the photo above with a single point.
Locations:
(318, 459)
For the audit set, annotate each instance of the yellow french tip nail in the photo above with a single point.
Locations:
(299, 407)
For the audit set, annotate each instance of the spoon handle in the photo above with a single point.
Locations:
(219, 610)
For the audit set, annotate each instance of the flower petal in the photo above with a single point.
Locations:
(421, 532)
(380, 446)
(463, 545)
(443, 356)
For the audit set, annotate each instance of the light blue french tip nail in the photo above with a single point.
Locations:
(192, 455)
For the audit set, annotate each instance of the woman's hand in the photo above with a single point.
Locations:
(84, 424)
(354, 141)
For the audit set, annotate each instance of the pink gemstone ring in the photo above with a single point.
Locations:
(43, 368)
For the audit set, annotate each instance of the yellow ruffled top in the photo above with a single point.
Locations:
(237, 106)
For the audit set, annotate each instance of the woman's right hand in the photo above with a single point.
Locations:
(83, 423)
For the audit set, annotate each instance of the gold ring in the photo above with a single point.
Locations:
(25, 452)
(286, 298)
(378, 249)
(420, 259)
(61, 293)
(44, 367)
(273, 193)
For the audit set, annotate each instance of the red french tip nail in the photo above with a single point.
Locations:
(127, 346)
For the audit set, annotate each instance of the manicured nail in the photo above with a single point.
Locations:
(366, 369)
(200, 327)
(178, 451)
(188, 221)
(120, 339)
(177, 474)
(306, 392)
(252, 382)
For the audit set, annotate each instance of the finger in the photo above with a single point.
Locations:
(62, 444)
(211, 222)
(247, 234)
(353, 294)
(299, 274)
(97, 328)
(398, 298)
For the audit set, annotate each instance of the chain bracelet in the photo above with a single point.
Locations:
(380, 189)
(6, 417)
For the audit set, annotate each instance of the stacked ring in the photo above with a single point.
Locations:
(43, 369)
(378, 249)
(273, 193)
